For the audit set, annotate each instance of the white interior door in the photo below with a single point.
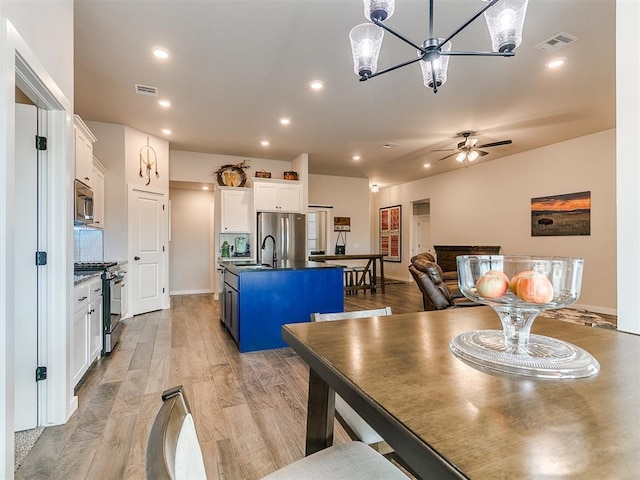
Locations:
(422, 229)
(147, 251)
(26, 272)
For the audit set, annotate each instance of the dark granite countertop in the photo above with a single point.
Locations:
(83, 277)
(242, 267)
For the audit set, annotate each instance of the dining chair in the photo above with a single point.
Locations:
(173, 452)
(353, 423)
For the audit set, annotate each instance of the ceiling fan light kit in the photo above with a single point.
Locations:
(505, 21)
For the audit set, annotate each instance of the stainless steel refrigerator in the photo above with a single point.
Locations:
(289, 233)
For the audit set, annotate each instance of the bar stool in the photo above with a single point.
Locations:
(363, 278)
(350, 280)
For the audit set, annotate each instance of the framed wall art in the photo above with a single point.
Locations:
(391, 233)
(561, 215)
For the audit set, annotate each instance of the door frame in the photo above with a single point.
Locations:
(131, 188)
(20, 67)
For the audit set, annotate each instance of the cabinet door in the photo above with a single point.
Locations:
(80, 348)
(84, 159)
(236, 211)
(95, 328)
(98, 198)
(290, 198)
(266, 197)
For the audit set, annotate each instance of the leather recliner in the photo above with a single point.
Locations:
(436, 295)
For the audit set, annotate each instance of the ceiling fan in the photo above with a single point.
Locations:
(468, 150)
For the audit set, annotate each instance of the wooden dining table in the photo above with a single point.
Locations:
(447, 419)
(370, 267)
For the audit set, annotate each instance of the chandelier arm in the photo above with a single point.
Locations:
(468, 22)
(390, 69)
(399, 35)
(481, 54)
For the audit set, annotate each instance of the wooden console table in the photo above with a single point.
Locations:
(446, 254)
(371, 258)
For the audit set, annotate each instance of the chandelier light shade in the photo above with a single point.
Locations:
(439, 65)
(366, 41)
(505, 21)
(380, 9)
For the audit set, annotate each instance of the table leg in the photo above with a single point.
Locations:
(320, 414)
(374, 279)
(382, 273)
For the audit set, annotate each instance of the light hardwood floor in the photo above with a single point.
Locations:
(249, 409)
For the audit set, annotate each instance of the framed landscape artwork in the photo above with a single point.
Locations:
(391, 233)
(560, 215)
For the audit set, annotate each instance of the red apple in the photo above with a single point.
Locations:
(492, 284)
(534, 288)
(513, 283)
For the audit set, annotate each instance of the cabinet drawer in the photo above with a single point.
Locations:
(231, 279)
(80, 297)
(95, 289)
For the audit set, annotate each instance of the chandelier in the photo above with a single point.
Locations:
(505, 19)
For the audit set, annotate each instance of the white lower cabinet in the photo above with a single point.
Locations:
(86, 336)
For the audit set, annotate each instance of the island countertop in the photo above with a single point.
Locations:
(241, 267)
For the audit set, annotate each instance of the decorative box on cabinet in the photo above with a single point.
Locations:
(84, 141)
(271, 195)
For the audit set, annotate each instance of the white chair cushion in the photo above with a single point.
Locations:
(361, 428)
(346, 461)
(189, 461)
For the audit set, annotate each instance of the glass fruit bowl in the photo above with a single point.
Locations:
(518, 288)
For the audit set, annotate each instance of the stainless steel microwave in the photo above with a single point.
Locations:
(83, 204)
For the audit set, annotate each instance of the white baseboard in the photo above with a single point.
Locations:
(191, 292)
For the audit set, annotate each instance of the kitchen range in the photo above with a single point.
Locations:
(113, 276)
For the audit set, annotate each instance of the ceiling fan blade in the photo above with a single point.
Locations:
(495, 144)
(450, 155)
(443, 150)
(482, 153)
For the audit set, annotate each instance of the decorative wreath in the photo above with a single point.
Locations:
(148, 162)
(232, 175)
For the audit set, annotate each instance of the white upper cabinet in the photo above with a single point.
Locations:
(277, 195)
(98, 194)
(235, 212)
(84, 141)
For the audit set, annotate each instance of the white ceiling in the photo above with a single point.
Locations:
(237, 66)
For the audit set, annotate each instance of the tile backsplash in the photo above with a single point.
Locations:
(88, 244)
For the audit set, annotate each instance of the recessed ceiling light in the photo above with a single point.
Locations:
(316, 85)
(205, 188)
(556, 62)
(164, 103)
(427, 165)
(285, 121)
(374, 188)
(161, 53)
(390, 145)
(356, 157)
(166, 131)
(264, 143)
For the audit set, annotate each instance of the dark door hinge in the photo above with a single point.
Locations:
(163, 248)
(162, 289)
(41, 258)
(41, 143)
(41, 373)
(163, 206)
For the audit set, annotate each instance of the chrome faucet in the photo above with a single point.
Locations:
(264, 243)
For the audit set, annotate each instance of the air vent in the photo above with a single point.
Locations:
(557, 42)
(146, 90)
(390, 145)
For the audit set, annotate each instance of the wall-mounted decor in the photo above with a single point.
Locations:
(560, 215)
(148, 158)
(232, 175)
(341, 224)
(391, 233)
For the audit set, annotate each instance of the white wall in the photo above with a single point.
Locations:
(349, 197)
(490, 204)
(191, 259)
(200, 167)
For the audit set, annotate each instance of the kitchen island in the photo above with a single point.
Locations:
(258, 299)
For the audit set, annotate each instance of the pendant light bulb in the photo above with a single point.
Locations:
(473, 154)
(461, 157)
